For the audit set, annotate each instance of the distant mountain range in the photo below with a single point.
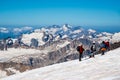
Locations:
(53, 33)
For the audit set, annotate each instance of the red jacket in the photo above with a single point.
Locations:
(107, 44)
(81, 49)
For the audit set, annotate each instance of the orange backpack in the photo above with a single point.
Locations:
(103, 49)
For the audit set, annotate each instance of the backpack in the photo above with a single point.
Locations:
(78, 48)
(103, 49)
(107, 44)
(93, 47)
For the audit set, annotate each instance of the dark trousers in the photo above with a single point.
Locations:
(31, 61)
(5, 46)
(92, 54)
(103, 52)
(80, 56)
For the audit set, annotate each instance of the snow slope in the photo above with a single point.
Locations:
(2, 74)
(105, 67)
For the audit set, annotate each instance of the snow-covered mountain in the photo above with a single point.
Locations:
(99, 68)
(37, 34)
(52, 33)
(43, 37)
(55, 32)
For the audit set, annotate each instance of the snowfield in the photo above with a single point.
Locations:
(37, 35)
(15, 52)
(106, 67)
(12, 52)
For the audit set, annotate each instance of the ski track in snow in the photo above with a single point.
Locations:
(106, 67)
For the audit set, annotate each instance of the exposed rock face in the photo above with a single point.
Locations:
(115, 45)
(34, 43)
(16, 66)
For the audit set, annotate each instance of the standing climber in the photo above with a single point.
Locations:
(93, 50)
(107, 45)
(5, 44)
(31, 61)
(103, 47)
(80, 49)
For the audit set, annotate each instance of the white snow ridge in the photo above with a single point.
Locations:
(106, 67)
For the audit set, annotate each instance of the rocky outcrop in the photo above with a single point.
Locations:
(4, 66)
(115, 45)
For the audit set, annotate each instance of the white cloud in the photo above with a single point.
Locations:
(76, 31)
(17, 30)
(91, 30)
(22, 29)
(4, 30)
(27, 28)
(108, 34)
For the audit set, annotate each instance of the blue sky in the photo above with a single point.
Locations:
(48, 12)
